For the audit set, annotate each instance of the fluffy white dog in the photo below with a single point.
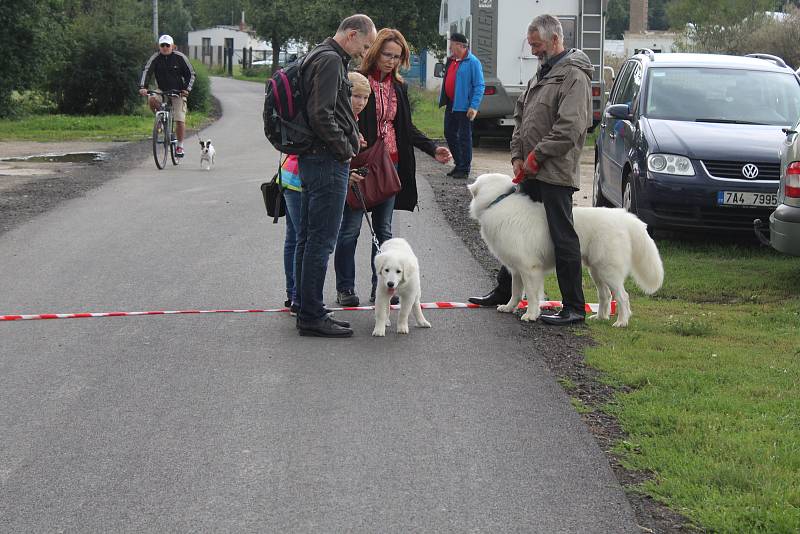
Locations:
(207, 153)
(614, 244)
(398, 272)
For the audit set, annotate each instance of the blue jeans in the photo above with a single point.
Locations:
(324, 182)
(458, 132)
(344, 260)
(293, 200)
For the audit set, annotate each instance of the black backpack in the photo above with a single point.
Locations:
(285, 120)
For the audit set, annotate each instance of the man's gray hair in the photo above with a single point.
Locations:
(362, 23)
(547, 26)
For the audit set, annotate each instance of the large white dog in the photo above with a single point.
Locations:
(398, 272)
(614, 244)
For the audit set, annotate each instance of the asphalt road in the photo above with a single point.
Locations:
(234, 423)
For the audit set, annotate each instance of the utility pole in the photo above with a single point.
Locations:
(155, 19)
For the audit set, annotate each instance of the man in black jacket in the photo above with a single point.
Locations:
(325, 168)
(173, 72)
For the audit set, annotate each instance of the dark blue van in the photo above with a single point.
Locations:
(693, 140)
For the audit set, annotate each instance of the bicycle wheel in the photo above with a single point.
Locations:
(175, 159)
(173, 141)
(160, 142)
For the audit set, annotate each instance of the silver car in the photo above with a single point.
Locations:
(784, 223)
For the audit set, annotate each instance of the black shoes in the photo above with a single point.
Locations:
(327, 327)
(493, 298)
(564, 318)
(459, 175)
(347, 298)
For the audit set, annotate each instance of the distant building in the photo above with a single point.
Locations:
(615, 48)
(657, 41)
(205, 44)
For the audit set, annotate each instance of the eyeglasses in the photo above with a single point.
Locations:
(162, 45)
(390, 57)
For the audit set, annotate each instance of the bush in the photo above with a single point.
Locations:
(200, 96)
(100, 72)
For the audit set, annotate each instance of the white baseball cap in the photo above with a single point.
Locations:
(166, 39)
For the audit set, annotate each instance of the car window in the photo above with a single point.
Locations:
(622, 80)
(722, 95)
(628, 93)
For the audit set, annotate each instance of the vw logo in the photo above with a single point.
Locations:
(750, 171)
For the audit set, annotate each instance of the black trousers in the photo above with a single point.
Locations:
(557, 200)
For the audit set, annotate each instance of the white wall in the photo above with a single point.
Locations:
(663, 41)
(241, 39)
(515, 63)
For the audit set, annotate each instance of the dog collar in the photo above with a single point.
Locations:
(501, 197)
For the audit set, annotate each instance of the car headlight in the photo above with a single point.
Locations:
(670, 164)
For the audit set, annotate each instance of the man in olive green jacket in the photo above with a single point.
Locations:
(552, 116)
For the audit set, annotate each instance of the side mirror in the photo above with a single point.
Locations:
(619, 111)
(438, 70)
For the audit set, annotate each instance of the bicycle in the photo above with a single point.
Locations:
(164, 130)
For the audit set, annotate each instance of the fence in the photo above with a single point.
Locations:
(219, 56)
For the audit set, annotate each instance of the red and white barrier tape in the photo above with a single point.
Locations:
(544, 304)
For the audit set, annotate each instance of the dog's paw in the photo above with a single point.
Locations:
(423, 324)
(505, 308)
(529, 317)
(620, 324)
(402, 328)
(379, 332)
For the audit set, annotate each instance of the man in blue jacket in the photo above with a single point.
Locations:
(462, 92)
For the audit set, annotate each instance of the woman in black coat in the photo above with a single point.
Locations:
(388, 113)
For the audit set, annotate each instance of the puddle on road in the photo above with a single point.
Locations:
(70, 157)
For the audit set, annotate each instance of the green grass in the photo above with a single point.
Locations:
(256, 74)
(429, 117)
(53, 127)
(426, 113)
(711, 366)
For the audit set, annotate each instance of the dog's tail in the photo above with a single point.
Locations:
(646, 266)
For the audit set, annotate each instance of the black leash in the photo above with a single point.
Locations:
(360, 197)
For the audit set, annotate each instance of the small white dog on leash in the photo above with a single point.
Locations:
(207, 154)
(398, 272)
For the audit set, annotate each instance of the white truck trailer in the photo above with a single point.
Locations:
(497, 31)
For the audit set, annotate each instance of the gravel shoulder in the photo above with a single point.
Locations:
(30, 189)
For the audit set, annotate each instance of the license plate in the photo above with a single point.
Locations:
(744, 198)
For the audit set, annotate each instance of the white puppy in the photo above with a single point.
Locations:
(614, 244)
(398, 272)
(207, 154)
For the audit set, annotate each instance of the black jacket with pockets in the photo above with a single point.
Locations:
(326, 91)
(173, 72)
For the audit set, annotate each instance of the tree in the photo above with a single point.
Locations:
(209, 13)
(28, 41)
(618, 17)
(657, 15)
(718, 25)
(704, 14)
(100, 73)
(278, 21)
(174, 19)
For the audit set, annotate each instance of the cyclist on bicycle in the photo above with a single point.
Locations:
(173, 73)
